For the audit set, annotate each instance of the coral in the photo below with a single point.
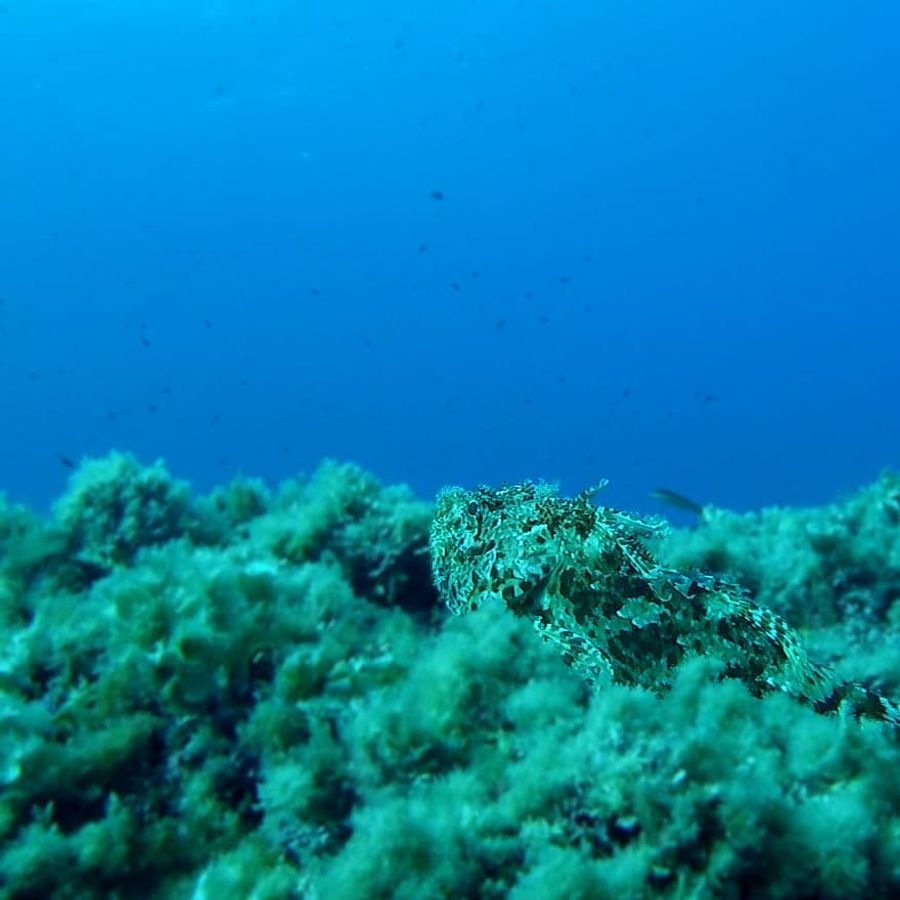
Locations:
(586, 578)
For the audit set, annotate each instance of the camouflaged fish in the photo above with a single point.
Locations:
(585, 576)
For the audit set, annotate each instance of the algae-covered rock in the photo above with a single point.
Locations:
(245, 700)
(819, 566)
(114, 507)
(379, 535)
(29, 546)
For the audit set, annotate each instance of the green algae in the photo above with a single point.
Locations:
(257, 693)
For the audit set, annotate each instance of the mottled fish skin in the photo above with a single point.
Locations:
(584, 575)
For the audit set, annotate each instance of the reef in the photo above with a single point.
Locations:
(260, 693)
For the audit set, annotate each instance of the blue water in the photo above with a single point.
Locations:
(463, 242)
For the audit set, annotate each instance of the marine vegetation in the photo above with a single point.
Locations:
(258, 693)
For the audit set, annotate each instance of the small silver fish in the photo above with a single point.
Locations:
(677, 501)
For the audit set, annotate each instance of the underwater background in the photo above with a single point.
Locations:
(273, 274)
(455, 242)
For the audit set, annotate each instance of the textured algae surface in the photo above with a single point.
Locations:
(259, 693)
